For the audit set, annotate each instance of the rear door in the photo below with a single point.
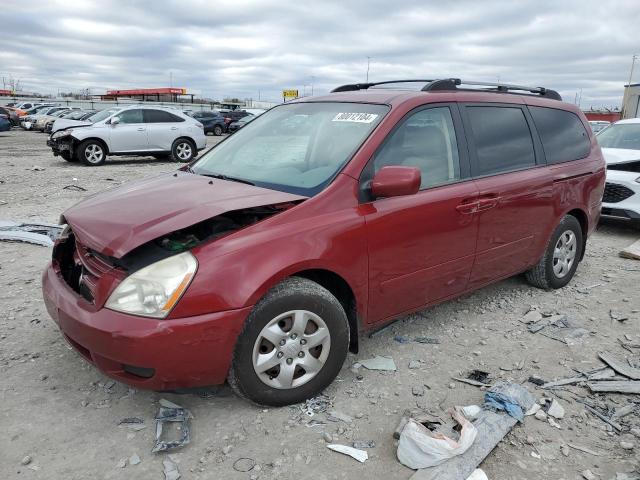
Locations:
(421, 246)
(130, 135)
(162, 128)
(515, 190)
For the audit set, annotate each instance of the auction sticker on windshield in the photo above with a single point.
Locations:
(355, 117)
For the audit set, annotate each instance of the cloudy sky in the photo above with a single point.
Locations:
(251, 48)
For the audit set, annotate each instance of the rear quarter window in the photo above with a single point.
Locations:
(502, 138)
(563, 135)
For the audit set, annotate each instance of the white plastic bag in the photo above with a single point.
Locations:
(421, 448)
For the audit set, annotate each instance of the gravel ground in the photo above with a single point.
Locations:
(63, 414)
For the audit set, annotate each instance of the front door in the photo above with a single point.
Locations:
(421, 247)
(514, 189)
(130, 134)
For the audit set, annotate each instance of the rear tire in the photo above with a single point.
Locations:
(561, 257)
(183, 150)
(92, 153)
(292, 345)
(217, 130)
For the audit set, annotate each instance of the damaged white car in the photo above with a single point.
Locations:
(620, 144)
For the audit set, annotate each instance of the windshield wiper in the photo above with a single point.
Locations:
(226, 177)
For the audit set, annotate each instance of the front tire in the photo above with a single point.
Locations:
(92, 153)
(183, 150)
(561, 257)
(292, 346)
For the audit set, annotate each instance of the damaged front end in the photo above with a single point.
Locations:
(96, 276)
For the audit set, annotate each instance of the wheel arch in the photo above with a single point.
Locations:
(583, 220)
(337, 285)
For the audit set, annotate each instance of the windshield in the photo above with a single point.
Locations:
(620, 135)
(101, 115)
(296, 148)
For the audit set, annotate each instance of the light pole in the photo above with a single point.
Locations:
(312, 80)
(368, 62)
(624, 95)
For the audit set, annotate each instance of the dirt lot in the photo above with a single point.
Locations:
(64, 414)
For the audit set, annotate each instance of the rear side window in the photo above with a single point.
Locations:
(502, 138)
(563, 135)
(160, 116)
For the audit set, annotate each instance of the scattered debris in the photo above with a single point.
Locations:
(170, 470)
(134, 459)
(76, 188)
(588, 475)
(626, 370)
(415, 364)
(359, 455)
(624, 411)
(427, 340)
(563, 330)
(507, 397)
(335, 416)
(471, 411)
(379, 363)
(478, 376)
(532, 316)
(178, 415)
(585, 290)
(627, 445)
(491, 428)
(122, 463)
(401, 424)
(327, 437)
(553, 423)
(478, 474)
(244, 464)
(317, 404)
(632, 251)
(592, 410)
(555, 410)
(38, 233)
(360, 444)
(583, 449)
(130, 420)
(615, 386)
(37, 168)
(421, 448)
(26, 460)
(536, 380)
(615, 316)
(402, 339)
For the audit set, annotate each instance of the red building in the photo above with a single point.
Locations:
(602, 115)
(164, 94)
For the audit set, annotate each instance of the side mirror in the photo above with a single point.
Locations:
(394, 181)
(115, 120)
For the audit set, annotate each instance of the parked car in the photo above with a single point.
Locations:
(5, 123)
(265, 260)
(231, 116)
(620, 144)
(42, 120)
(11, 114)
(238, 124)
(75, 117)
(213, 122)
(157, 131)
(598, 125)
(27, 122)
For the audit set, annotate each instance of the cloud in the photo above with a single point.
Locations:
(250, 48)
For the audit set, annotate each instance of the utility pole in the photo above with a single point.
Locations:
(368, 62)
(624, 95)
(170, 79)
(312, 80)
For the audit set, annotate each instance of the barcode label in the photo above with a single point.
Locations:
(355, 117)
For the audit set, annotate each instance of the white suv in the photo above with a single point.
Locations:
(620, 144)
(136, 130)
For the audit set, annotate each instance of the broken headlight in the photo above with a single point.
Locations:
(62, 133)
(154, 290)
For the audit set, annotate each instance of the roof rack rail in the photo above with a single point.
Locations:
(448, 84)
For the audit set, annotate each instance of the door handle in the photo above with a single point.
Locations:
(468, 208)
(488, 202)
(174, 128)
(141, 129)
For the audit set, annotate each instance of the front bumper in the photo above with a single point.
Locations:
(623, 193)
(144, 352)
(60, 145)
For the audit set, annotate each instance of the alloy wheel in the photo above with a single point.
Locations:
(183, 151)
(93, 153)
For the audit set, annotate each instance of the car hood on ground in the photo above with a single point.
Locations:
(615, 156)
(119, 220)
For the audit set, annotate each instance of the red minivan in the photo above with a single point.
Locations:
(262, 262)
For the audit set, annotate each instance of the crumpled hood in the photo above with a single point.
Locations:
(620, 155)
(119, 220)
(63, 123)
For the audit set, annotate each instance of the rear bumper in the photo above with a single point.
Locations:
(144, 352)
